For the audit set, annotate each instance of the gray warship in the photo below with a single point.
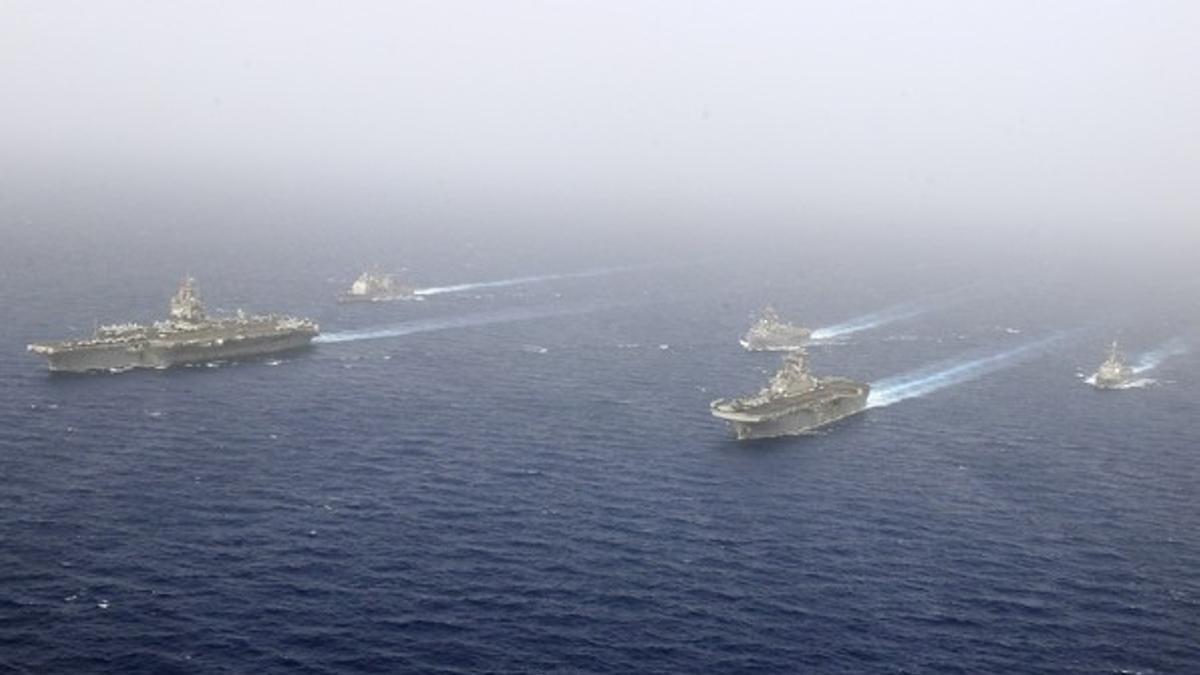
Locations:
(772, 334)
(188, 335)
(1113, 373)
(376, 287)
(794, 402)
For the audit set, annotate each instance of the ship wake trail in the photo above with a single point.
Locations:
(949, 373)
(873, 320)
(464, 321)
(517, 281)
(1154, 358)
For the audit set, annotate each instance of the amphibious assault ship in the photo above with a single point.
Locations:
(1113, 373)
(375, 287)
(188, 335)
(770, 333)
(793, 402)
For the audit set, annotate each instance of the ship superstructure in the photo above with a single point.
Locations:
(771, 333)
(377, 287)
(793, 402)
(188, 335)
(1113, 373)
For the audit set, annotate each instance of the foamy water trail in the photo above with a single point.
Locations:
(873, 320)
(1154, 358)
(946, 374)
(517, 281)
(464, 321)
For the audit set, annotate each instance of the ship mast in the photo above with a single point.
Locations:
(185, 304)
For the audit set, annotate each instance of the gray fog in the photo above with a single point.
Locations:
(1048, 122)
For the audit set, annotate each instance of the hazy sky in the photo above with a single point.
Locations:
(1079, 114)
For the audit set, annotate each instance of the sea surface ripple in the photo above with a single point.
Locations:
(452, 501)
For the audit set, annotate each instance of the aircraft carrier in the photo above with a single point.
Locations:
(187, 336)
(375, 287)
(1113, 373)
(772, 334)
(794, 402)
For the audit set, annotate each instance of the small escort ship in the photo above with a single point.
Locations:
(1113, 373)
(375, 287)
(772, 334)
(189, 335)
(794, 402)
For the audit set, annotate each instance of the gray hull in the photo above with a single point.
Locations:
(776, 343)
(795, 419)
(164, 354)
(1117, 379)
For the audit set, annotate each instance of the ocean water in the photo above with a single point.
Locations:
(525, 477)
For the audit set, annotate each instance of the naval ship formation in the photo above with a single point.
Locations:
(188, 335)
(793, 402)
(771, 334)
(375, 287)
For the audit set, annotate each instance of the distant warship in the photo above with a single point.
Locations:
(187, 336)
(374, 287)
(793, 402)
(1113, 373)
(770, 333)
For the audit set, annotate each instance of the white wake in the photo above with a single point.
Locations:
(1154, 358)
(873, 320)
(447, 323)
(932, 378)
(517, 281)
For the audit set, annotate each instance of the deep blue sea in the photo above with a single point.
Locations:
(526, 478)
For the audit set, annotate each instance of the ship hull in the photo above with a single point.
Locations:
(1112, 380)
(801, 419)
(776, 343)
(165, 354)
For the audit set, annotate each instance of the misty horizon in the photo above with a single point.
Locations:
(1074, 119)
